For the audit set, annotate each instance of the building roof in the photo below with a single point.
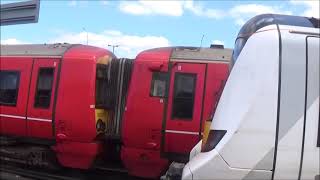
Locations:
(56, 50)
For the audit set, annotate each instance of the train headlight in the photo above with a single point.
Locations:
(214, 137)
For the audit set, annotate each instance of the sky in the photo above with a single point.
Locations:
(135, 26)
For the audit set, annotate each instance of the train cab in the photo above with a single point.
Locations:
(267, 123)
(172, 91)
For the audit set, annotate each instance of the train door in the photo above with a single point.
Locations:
(184, 108)
(309, 164)
(40, 106)
(14, 85)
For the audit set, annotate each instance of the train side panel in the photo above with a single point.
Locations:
(217, 74)
(43, 82)
(299, 108)
(312, 134)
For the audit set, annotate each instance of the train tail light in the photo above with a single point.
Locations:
(212, 140)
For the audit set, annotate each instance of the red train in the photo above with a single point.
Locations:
(80, 105)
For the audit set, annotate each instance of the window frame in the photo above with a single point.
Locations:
(17, 87)
(174, 93)
(37, 88)
(166, 74)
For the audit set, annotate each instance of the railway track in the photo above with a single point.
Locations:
(38, 175)
(65, 174)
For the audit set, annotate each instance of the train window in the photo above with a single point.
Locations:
(44, 88)
(9, 87)
(159, 84)
(183, 100)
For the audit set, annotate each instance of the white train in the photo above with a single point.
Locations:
(267, 121)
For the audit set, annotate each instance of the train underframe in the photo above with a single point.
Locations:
(53, 156)
(105, 155)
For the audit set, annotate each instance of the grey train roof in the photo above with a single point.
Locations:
(34, 49)
(201, 54)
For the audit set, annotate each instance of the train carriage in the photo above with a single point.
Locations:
(50, 95)
(173, 90)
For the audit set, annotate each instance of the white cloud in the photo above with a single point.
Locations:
(218, 42)
(113, 32)
(199, 10)
(242, 13)
(168, 8)
(12, 41)
(129, 45)
(312, 7)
